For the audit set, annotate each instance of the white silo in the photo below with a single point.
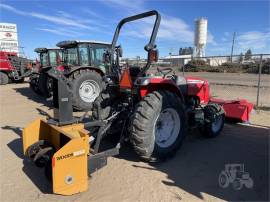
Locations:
(200, 37)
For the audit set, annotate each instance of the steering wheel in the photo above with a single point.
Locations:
(164, 71)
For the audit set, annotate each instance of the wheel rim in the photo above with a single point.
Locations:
(216, 125)
(167, 127)
(89, 91)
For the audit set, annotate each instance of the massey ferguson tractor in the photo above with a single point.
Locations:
(13, 68)
(84, 67)
(40, 81)
(151, 112)
(81, 62)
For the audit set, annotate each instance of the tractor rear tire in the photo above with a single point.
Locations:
(86, 87)
(158, 126)
(3, 78)
(45, 85)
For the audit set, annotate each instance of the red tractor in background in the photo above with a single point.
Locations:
(81, 62)
(14, 68)
(40, 81)
(84, 66)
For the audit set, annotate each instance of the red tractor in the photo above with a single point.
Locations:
(81, 62)
(155, 110)
(13, 67)
(84, 66)
(40, 81)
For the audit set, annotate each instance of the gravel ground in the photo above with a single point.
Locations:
(191, 175)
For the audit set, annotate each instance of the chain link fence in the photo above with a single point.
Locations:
(230, 77)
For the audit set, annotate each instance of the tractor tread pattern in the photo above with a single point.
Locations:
(141, 137)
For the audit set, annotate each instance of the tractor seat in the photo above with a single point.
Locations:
(181, 82)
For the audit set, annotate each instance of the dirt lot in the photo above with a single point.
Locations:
(192, 174)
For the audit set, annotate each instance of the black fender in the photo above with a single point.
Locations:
(74, 69)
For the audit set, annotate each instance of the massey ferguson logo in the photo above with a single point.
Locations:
(8, 34)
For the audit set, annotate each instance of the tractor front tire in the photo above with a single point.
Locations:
(3, 78)
(86, 87)
(34, 80)
(214, 120)
(158, 126)
(223, 180)
(45, 85)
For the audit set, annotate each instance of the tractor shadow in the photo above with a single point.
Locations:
(15, 145)
(197, 165)
(31, 95)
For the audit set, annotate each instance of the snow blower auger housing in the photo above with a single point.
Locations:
(62, 150)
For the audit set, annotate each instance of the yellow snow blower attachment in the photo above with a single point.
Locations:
(62, 151)
(61, 145)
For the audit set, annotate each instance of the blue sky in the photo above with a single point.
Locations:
(44, 23)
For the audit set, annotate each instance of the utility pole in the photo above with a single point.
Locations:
(232, 45)
(170, 53)
(259, 82)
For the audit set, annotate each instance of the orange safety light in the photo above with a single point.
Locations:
(125, 81)
(153, 55)
(29, 66)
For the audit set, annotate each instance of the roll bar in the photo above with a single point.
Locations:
(151, 45)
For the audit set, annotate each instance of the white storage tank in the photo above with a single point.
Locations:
(200, 36)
